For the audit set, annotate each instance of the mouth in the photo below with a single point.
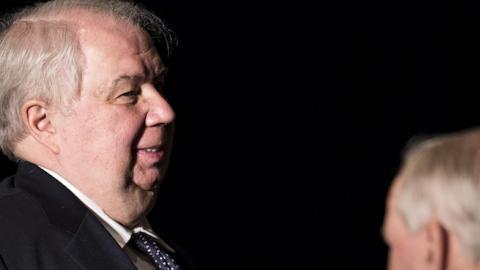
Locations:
(152, 154)
(155, 149)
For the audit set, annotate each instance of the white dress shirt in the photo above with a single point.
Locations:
(120, 233)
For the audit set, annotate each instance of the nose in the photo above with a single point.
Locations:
(159, 110)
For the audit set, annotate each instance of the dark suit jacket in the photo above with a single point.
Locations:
(44, 226)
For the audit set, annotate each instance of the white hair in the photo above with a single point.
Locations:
(440, 179)
(40, 56)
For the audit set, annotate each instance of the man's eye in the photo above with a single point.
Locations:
(130, 97)
(133, 93)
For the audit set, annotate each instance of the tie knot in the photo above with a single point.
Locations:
(149, 246)
(142, 239)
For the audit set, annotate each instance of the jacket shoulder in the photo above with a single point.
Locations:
(18, 211)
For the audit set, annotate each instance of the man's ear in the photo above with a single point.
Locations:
(436, 237)
(38, 122)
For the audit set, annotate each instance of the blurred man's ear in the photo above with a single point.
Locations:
(37, 120)
(436, 237)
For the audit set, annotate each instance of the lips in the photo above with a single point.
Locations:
(152, 154)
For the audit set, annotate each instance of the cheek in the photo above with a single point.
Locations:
(118, 131)
(107, 140)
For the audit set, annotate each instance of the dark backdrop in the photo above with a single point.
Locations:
(292, 119)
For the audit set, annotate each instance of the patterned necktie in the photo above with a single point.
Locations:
(148, 246)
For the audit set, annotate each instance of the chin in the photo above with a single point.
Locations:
(149, 180)
(140, 204)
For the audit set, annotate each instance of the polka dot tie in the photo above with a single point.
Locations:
(148, 246)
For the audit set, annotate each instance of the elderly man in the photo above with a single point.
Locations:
(433, 209)
(84, 114)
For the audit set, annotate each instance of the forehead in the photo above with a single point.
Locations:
(114, 48)
(96, 31)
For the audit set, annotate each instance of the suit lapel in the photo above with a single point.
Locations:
(90, 245)
(91, 249)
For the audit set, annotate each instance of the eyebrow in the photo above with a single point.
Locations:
(157, 73)
(134, 78)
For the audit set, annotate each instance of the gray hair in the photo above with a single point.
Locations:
(40, 56)
(440, 179)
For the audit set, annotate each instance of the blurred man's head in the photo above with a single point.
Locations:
(81, 93)
(433, 208)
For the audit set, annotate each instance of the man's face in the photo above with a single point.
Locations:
(406, 248)
(115, 141)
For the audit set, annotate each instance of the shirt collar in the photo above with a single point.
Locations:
(120, 233)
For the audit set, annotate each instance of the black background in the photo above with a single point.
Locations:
(291, 120)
